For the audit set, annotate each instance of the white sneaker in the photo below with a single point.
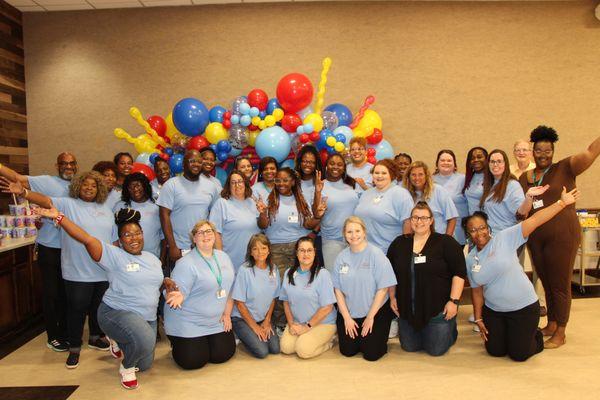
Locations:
(476, 328)
(472, 318)
(128, 378)
(237, 342)
(393, 329)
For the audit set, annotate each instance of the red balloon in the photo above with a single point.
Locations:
(158, 124)
(294, 92)
(226, 123)
(258, 98)
(315, 136)
(227, 115)
(164, 156)
(372, 159)
(376, 137)
(252, 127)
(304, 138)
(290, 122)
(197, 143)
(324, 155)
(144, 169)
(371, 152)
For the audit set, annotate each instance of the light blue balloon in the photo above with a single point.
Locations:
(287, 163)
(304, 112)
(308, 128)
(300, 130)
(144, 158)
(254, 111)
(244, 108)
(221, 175)
(383, 150)
(245, 120)
(235, 119)
(234, 152)
(344, 130)
(273, 142)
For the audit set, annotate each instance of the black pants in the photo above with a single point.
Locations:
(83, 299)
(194, 353)
(374, 345)
(54, 297)
(513, 333)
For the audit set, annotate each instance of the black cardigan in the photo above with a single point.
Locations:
(433, 279)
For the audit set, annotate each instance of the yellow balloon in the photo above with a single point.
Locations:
(278, 114)
(368, 122)
(171, 129)
(315, 120)
(256, 120)
(216, 132)
(262, 125)
(145, 144)
(358, 132)
(339, 147)
(330, 141)
(270, 120)
(252, 137)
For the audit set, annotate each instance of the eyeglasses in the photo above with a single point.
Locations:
(67, 163)
(205, 232)
(306, 251)
(415, 218)
(496, 162)
(286, 180)
(129, 235)
(308, 162)
(237, 183)
(482, 228)
(195, 161)
(543, 152)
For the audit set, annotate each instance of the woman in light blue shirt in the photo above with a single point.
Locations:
(506, 307)
(308, 162)
(336, 198)
(234, 215)
(308, 298)
(267, 171)
(476, 165)
(255, 291)
(362, 276)
(199, 322)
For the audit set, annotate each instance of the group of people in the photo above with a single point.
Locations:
(291, 260)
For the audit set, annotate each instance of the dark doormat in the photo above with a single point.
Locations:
(37, 392)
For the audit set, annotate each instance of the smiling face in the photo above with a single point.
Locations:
(522, 151)
(497, 165)
(245, 167)
(381, 177)
(284, 183)
(137, 192)
(88, 190)
(67, 166)
(124, 165)
(162, 171)
(308, 164)
(204, 238)
(336, 167)
(418, 177)
(269, 172)
(421, 221)
(192, 164)
(260, 252)
(445, 164)
(354, 234)
(110, 179)
(237, 186)
(132, 239)
(358, 153)
(208, 161)
(542, 154)
(478, 231)
(403, 163)
(477, 161)
(306, 253)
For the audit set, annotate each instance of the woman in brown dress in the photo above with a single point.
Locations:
(553, 245)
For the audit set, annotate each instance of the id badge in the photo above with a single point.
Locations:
(476, 268)
(221, 293)
(133, 267)
(377, 199)
(538, 204)
(420, 259)
(293, 219)
(344, 269)
(184, 252)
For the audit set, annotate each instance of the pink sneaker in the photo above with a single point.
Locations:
(128, 378)
(115, 351)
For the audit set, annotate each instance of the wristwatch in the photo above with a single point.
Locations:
(455, 301)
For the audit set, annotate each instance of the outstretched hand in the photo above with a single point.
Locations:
(569, 197)
(535, 191)
(51, 213)
(11, 187)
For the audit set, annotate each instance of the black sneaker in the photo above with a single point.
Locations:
(57, 345)
(99, 344)
(72, 361)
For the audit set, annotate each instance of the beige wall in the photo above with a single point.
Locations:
(446, 74)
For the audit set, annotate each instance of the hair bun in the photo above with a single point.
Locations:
(543, 134)
(127, 215)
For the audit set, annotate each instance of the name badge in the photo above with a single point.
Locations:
(184, 252)
(476, 268)
(133, 267)
(221, 293)
(293, 219)
(344, 269)
(420, 259)
(538, 204)
(377, 199)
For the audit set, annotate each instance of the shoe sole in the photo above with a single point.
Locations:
(98, 348)
(72, 366)
(55, 349)
(129, 387)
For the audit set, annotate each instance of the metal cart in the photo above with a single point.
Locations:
(581, 275)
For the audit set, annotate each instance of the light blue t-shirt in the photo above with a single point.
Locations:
(51, 186)
(201, 310)
(305, 299)
(156, 187)
(286, 227)
(308, 191)
(98, 221)
(341, 202)
(360, 275)
(216, 182)
(189, 202)
(261, 191)
(505, 285)
(474, 192)
(256, 288)
(363, 172)
(134, 281)
(453, 185)
(114, 196)
(442, 206)
(384, 214)
(504, 214)
(150, 223)
(236, 221)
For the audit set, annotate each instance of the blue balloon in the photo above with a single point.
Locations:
(222, 156)
(245, 120)
(221, 175)
(331, 150)
(287, 163)
(169, 151)
(300, 129)
(245, 108)
(273, 142)
(216, 114)
(308, 128)
(176, 163)
(342, 112)
(262, 114)
(346, 131)
(383, 150)
(327, 133)
(223, 146)
(272, 105)
(234, 152)
(190, 116)
(254, 111)
(235, 119)
(340, 138)
(214, 147)
(153, 157)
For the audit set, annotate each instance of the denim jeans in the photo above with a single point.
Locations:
(435, 338)
(331, 249)
(135, 336)
(253, 344)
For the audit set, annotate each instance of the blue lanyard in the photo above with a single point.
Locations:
(218, 277)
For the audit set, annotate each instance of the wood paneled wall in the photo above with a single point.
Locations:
(13, 112)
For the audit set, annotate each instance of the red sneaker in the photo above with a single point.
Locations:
(128, 378)
(115, 351)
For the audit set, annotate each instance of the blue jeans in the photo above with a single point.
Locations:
(435, 338)
(135, 336)
(253, 344)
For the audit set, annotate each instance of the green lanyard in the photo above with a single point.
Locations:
(218, 277)
(538, 183)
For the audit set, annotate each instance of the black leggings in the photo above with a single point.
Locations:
(83, 299)
(54, 296)
(194, 353)
(513, 333)
(374, 345)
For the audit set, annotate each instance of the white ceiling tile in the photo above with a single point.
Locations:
(66, 7)
(117, 4)
(30, 8)
(44, 3)
(166, 3)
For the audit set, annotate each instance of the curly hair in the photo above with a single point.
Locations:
(427, 189)
(126, 216)
(391, 166)
(544, 134)
(301, 205)
(102, 166)
(136, 177)
(77, 181)
(118, 156)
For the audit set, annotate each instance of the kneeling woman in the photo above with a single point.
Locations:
(430, 269)
(362, 276)
(255, 292)
(505, 304)
(199, 324)
(127, 312)
(308, 299)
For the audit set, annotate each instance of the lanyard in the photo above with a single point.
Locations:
(218, 277)
(538, 183)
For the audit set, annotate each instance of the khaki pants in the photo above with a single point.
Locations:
(283, 256)
(314, 342)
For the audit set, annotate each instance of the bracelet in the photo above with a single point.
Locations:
(58, 219)
(478, 320)
(309, 325)
(561, 203)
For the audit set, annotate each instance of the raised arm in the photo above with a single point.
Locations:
(14, 176)
(16, 187)
(545, 215)
(582, 161)
(525, 207)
